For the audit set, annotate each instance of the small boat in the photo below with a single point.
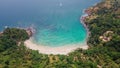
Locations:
(61, 4)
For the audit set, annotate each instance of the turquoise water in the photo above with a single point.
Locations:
(57, 22)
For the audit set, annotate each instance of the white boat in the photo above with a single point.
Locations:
(61, 4)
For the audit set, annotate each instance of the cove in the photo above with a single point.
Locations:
(57, 22)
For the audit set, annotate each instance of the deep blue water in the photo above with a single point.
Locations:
(57, 22)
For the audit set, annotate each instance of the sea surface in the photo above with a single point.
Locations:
(57, 22)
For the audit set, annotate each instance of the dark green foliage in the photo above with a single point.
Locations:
(16, 34)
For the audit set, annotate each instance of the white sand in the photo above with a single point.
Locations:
(54, 50)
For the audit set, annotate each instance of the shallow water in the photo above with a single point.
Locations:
(57, 22)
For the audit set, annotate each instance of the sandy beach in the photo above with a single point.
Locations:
(64, 50)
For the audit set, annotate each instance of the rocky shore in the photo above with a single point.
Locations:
(30, 31)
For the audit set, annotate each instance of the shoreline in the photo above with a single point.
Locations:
(86, 13)
(82, 18)
(63, 50)
(82, 21)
